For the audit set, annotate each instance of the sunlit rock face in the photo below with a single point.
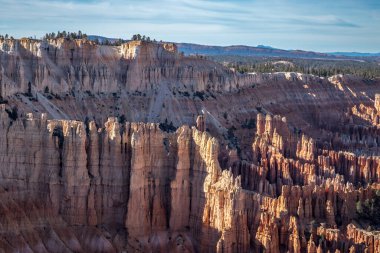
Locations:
(71, 65)
(130, 179)
(137, 148)
(133, 186)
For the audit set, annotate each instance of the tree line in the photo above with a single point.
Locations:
(142, 38)
(81, 35)
(366, 68)
(5, 37)
(65, 35)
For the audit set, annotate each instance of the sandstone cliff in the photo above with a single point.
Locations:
(281, 162)
(65, 66)
(132, 186)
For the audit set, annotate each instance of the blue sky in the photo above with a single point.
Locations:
(319, 25)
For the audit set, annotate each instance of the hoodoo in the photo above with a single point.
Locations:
(139, 148)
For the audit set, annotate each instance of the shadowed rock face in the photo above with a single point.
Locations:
(276, 162)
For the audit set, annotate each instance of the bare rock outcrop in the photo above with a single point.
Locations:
(275, 162)
(63, 66)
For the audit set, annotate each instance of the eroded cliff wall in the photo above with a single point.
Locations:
(281, 162)
(74, 186)
(80, 65)
(129, 179)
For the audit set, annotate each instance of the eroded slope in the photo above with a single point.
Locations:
(277, 162)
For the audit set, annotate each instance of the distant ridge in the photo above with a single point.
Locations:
(259, 51)
(264, 51)
(101, 39)
(267, 47)
(355, 54)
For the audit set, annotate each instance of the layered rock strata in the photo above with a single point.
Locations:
(65, 66)
(277, 162)
(82, 188)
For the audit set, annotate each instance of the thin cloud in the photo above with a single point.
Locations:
(323, 21)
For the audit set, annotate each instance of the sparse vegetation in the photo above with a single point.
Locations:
(122, 119)
(249, 124)
(108, 42)
(167, 127)
(3, 101)
(233, 140)
(5, 37)
(184, 93)
(12, 113)
(80, 35)
(137, 37)
(65, 35)
(29, 93)
(199, 94)
(363, 67)
(369, 210)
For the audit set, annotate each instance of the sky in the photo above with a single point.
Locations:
(317, 25)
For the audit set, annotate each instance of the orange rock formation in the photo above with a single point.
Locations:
(280, 162)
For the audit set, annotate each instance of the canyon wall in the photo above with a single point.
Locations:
(276, 162)
(65, 66)
(77, 187)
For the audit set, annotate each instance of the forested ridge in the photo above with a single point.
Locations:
(366, 67)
